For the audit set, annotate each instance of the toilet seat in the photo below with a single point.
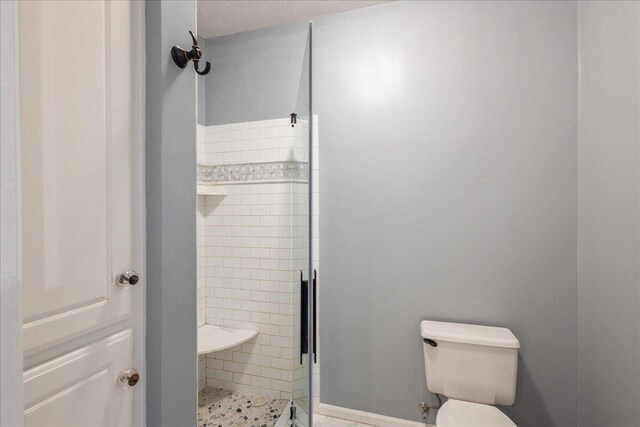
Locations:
(458, 413)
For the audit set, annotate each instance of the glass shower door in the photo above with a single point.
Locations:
(304, 307)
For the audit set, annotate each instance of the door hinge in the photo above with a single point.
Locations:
(292, 412)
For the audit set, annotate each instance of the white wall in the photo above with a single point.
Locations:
(609, 215)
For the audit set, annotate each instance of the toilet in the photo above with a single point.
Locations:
(475, 367)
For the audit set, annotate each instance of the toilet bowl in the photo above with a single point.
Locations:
(475, 367)
(457, 413)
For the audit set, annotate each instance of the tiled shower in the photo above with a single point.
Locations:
(252, 244)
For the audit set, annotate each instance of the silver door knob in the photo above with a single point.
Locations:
(129, 377)
(128, 278)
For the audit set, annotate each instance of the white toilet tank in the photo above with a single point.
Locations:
(470, 362)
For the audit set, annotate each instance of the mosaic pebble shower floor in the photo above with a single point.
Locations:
(222, 408)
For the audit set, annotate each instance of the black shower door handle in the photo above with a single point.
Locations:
(304, 316)
(315, 316)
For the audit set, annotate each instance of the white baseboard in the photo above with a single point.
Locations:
(366, 417)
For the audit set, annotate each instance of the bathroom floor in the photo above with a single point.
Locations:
(222, 408)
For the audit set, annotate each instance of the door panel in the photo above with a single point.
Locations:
(75, 70)
(81, 388)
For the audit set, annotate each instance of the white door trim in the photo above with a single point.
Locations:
(138, 303)
(10, 280)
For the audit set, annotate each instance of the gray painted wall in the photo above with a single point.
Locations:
(201, 81)
(609, 215)
(448, 191)
(255, 74)
(171, 229)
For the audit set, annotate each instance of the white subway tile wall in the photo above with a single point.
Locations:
(315, 236)
(252, 244)
(200, 252)
(200, 233)
(253, 142)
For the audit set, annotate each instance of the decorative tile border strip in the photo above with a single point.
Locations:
(253, 172)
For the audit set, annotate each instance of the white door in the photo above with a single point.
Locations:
(80, 172)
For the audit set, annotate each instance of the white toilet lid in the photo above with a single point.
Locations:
(458, 413)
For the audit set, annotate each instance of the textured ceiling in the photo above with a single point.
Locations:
(218, 18)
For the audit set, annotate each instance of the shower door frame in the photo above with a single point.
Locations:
(307, 419)
(312, 316)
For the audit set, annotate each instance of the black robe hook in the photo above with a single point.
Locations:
(182, 56)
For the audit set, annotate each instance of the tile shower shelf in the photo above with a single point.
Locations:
(210, 190)
(215, 338)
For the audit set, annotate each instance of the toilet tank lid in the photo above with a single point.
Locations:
(468, 334)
